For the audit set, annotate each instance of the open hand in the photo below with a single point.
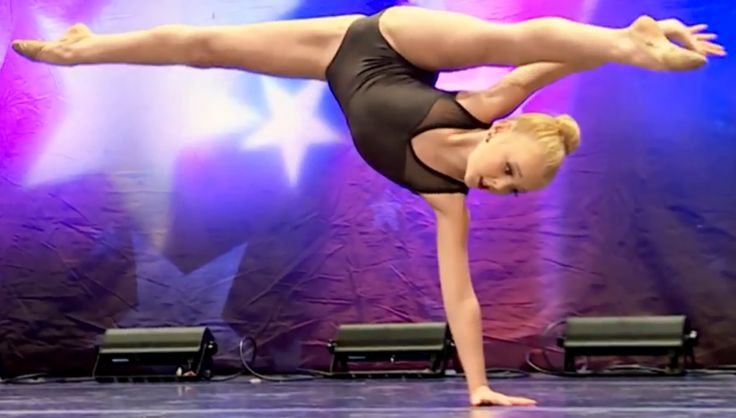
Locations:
(692, 37)
(485, 396)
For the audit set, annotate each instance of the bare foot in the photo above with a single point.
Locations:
(657, 52)
(58, 52)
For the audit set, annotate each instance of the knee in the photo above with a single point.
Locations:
(197, 45)
(205, 46)
(540, 27)
(545, 27)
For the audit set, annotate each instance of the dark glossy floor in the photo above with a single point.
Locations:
(624, 398)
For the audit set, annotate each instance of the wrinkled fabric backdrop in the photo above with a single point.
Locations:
(135, 197)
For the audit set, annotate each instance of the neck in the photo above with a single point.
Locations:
(459, 147)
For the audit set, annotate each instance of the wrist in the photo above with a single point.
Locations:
(473, 386)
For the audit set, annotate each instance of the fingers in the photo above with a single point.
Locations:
(703, 46)
(504, 401)
(690, 43)
(703, 38)
(712, 48)
(698, 28)
(521, 401)
(500, 401)
(694, 39)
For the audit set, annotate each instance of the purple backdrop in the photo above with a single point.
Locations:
(170, 196)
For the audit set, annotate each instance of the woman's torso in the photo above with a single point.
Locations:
(390, 104)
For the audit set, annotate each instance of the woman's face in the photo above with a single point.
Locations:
(508, 162)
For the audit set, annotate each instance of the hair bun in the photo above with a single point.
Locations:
(570, 132)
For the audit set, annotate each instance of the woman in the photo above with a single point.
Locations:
(437, 144)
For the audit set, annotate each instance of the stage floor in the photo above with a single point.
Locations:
(624, 398)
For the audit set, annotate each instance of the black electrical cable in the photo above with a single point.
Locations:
(538, 368)
(246, 366)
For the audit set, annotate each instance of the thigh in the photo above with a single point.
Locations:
(301, 48)
(439, 40)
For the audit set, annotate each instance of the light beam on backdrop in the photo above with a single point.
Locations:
(6, 23)
(131, 123)
(386, 213)
(199, 297)
(293, 125)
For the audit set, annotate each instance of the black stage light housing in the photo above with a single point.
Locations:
(155, 354)
(429, 342)
(629, 336)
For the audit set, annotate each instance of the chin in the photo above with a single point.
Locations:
(471, 181)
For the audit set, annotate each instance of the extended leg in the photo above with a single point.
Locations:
(446, 40)
(292, 48)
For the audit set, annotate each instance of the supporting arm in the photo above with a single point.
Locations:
(461, 304)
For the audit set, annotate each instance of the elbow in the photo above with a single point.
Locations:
(460, 301)
(503, 98)
(513, 85)
(462, 310)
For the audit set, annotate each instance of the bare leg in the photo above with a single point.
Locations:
(446, 40)
(291, 48)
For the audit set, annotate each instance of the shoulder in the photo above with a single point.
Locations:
(453, 221)
(448, 205)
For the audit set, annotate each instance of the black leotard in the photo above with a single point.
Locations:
(387, 101)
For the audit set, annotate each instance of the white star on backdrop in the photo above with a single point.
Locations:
(168, 297)
(131, 123)
(293, 125)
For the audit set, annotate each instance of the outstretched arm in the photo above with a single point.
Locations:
(517, 86)
(461, 304)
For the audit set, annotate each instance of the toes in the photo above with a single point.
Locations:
(28, 49)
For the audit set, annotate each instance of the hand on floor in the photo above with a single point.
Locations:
(485, 396)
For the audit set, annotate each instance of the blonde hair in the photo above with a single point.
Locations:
(559, 137)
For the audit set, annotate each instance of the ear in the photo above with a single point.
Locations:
(502, 126)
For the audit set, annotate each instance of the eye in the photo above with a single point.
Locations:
(508, 170)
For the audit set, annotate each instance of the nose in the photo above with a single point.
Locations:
(497, 185)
